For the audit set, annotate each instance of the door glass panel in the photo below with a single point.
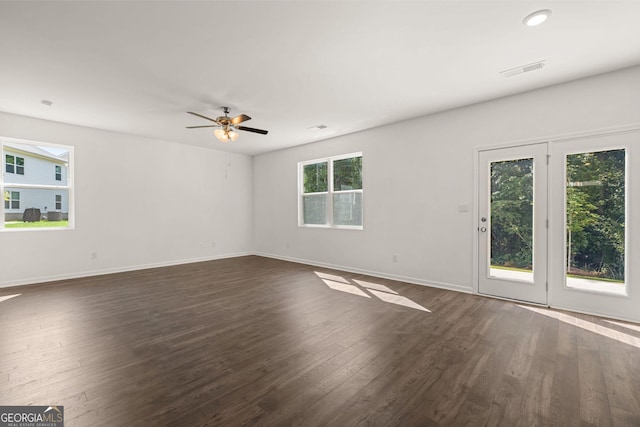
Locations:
(595, 224)
(512, 220)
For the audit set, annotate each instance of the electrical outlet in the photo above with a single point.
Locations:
(213, 244)
(394, 258)
(93, 255)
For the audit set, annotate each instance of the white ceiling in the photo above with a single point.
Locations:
(137, 67)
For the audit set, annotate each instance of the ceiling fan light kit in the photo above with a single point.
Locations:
(224, 135)
(226, 126)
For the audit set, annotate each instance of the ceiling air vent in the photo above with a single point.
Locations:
(522, 69)
(318, 127)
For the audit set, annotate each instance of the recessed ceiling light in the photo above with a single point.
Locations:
(46, 102)
(536, 18)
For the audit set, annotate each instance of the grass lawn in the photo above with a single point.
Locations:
(39, 224)
(600, 279)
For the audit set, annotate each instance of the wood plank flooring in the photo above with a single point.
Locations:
(256, 341)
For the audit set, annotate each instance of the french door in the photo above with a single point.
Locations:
(594, 234)
(557, 224)
(512, 224)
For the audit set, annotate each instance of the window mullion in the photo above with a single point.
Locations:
(330, 193)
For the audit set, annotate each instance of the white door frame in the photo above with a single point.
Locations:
(633, 209)
(531, 289)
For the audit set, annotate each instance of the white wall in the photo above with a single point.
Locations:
(417, 173)
(131, 210)
(138, 202)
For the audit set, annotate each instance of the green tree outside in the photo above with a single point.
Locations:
(595, 206)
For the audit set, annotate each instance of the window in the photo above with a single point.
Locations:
(10, 163)
(14, 164)
(12, 200)
(331, 192)
(37, 189)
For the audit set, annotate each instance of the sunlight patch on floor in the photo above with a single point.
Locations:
(350, 289)
(587, 325)
(625, 325)
(375, 286)
(8, 297)
(366, 289)
(332, 277)
(398, 299)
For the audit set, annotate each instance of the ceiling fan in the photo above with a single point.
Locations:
(225, 125)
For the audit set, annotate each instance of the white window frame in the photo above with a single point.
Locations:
(17, 186)
(329, 193)
(11, 200)
(14, 164)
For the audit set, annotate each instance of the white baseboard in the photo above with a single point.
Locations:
(412, 280)
(76, 275)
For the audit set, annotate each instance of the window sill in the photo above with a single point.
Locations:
(339, 227)
(24, 229)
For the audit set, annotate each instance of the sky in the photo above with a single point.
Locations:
(53, 150)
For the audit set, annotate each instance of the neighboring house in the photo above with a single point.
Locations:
(32, 165)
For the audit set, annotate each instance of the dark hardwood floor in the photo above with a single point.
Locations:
(256, 341)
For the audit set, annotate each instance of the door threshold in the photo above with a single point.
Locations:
(519, 301)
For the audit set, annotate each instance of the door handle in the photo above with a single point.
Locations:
(483, 229)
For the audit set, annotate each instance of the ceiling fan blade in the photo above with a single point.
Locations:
(239, 119)
(204, 117)
(254, 130)
(207, 126)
